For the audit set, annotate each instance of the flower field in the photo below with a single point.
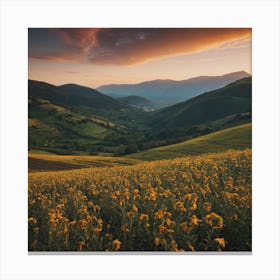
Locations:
(192, 203)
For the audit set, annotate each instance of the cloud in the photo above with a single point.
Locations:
(128, 46)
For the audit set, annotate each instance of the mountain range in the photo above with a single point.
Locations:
(235, 98)
(74, 96)
(74, 119)
(169, 92)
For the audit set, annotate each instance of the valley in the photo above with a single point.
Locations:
(65, 134)
(99, 124)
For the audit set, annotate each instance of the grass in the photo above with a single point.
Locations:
(44, 162)
(90, 130)
(238, 137)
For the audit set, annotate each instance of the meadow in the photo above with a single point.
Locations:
(51, 162)
(191, 203)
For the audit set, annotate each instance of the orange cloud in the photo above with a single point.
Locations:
(128, 46)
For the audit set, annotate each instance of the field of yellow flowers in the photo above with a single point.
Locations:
(200, 203)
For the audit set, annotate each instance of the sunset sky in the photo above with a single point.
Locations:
(98, 56)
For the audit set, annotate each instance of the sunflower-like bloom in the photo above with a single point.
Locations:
(214, 220)
(144, 217)
(221, 242)
(116, 245)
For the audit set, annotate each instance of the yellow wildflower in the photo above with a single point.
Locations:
(116, 245)
(214, 220)
(144, 217)
(221, 242)
(195, 221)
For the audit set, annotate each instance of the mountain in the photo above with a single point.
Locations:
(74, 119)
(234, 98)
(138, 102)
(169, 92)
(73, 96)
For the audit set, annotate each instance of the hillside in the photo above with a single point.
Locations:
(58, 129)
(43, 162)
(82, 99)
(234, 98)
(137, 102)
(59, 124)
(168, 92)
(238, 137)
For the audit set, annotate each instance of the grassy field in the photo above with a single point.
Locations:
(238, 137)
(47, 162)
(192, 203)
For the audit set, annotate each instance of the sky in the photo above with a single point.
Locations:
(98, 56)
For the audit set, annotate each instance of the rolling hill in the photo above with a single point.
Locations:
(58, 129)
(72, 119)
(234, 98)
(44, 162)
(238, 137)
(77, 97)
(169, 92)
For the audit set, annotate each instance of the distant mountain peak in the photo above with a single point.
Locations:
(164, 92)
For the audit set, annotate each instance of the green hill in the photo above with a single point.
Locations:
(238, 137)
(72, 95)
(234, 98)
(58, 129)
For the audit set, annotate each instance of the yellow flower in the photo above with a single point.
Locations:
(134, 208)
(130, 214)
(194, 220)
(136, 194)
(72, 223)
(221, 242)
(32, 220)
(159, 215)
(116, 245)
(144, 217)
(214, 220)
(90, 204)
(179, 206)
(194, 206)
(83, 224)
